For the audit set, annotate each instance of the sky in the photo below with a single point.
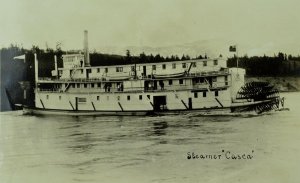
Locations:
(258, 26)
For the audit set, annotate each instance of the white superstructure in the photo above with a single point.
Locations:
(178, 85)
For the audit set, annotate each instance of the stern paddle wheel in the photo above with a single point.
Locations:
(264, 96)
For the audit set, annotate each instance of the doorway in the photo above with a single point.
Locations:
(190, 103)
(88, 71)
(144, 70)
(160, 103)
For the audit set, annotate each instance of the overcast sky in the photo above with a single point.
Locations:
(257, 26)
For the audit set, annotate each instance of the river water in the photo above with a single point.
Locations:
(151, 149)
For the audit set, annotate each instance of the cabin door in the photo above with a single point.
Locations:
(144, 70)
(190, 103)
(159, 103)
(155, 85)
(76, 103)
(88, 71)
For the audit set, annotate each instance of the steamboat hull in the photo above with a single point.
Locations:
(236, 109)
(38, 111)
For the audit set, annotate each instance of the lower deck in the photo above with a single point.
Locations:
(142, 101)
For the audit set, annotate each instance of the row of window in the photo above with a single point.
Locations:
(184, 65)
(164, 66)
(171, 81)
(204, 94)
(128, 97)
(98, 85)
(83, 100)
(181, 81)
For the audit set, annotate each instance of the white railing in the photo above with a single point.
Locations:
(107, 78)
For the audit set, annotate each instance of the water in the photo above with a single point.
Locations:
(150, 149)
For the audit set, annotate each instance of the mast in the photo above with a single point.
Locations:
(237, 57)
(55, 66)
(36, 70)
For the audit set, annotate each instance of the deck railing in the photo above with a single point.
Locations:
(108, 79)
(178, 87)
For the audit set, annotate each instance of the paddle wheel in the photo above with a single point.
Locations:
(265, 97)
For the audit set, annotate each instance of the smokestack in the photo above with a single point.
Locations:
(86, 50)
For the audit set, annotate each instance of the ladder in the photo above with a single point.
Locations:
(71, 77)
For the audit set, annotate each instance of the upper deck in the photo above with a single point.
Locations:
(75, 69)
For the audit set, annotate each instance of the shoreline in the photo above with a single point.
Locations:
(282, 83)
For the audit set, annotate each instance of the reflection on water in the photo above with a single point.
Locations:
(149, 149)
(159, 128)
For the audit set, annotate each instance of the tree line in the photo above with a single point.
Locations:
(280, 64)
(277, 65)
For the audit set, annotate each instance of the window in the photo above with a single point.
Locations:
(201, 80)
(92, 85)
(106, 70)
(132, 68)
(170, 82)
(204, 94)
(215, 62)
(164, 66)
(148, 96)
(47, 96)
(153, 67)
(204, 63)
(214, 79)
(98, 70)
(81, 100)
(98, 98)
(78, 85)
(181, 81)
(81, 71)
(226, 80)
(59, 97)
(85, 85)
(194, 64)
(183, 65)
(99, 85)
(128, 97)
(216, 93)
(195, 95)
(141, 97)
(119, 69)
(174, 66)
(66, 85)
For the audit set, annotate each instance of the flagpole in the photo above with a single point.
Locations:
(36, 70)
(237, 56)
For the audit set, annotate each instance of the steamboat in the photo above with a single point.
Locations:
(206, 86)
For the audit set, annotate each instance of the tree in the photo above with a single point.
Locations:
(128, 56)
(183, 57)
(187, 57)
(143, 57)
